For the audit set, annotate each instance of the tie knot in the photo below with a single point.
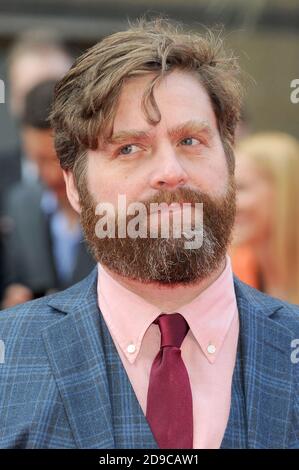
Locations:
(173, 328)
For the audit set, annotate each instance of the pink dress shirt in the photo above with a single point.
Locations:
(208, 350)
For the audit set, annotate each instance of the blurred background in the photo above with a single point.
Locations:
(264, 35)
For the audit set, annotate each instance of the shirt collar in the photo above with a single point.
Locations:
(211, 313)
(128, 316)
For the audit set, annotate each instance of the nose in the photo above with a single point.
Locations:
(169, 172)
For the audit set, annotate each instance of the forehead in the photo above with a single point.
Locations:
(179, 96)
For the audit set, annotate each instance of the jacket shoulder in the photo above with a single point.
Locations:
(27, 312)
(23, 324)
(281, 310)
(32, 413)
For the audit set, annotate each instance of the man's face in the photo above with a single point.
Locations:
(140, 167)
(180, 159)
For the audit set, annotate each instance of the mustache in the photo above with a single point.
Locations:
(180, 196)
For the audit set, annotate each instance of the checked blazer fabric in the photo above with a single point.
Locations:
(63, 385)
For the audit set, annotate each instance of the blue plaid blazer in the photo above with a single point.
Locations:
(62, 383)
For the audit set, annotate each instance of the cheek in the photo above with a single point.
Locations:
(105, 184)
(210, 175)
(98, 182)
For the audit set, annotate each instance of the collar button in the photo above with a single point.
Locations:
(211, 349)
(131, 348)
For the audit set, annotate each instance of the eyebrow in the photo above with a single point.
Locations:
(132, 134)
(191, 126)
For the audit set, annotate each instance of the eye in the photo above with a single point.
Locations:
(128, 149)
(190, 141)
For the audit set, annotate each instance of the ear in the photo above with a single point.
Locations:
(71, 190)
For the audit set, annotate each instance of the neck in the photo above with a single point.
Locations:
(167, 298)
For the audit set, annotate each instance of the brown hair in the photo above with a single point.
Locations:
(86, 98)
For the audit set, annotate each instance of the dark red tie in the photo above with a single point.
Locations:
(169, 400)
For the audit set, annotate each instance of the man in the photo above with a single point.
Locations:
(160, 346)
(44, 248)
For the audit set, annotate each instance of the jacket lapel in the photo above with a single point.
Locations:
(236, 436)
(130, 426)
(264, 351)
(77, 359)
(98, 397)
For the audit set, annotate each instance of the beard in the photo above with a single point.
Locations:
(165, 260)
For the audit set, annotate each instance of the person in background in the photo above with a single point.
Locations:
(35, 56)
(266, 235)
(44, 249)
